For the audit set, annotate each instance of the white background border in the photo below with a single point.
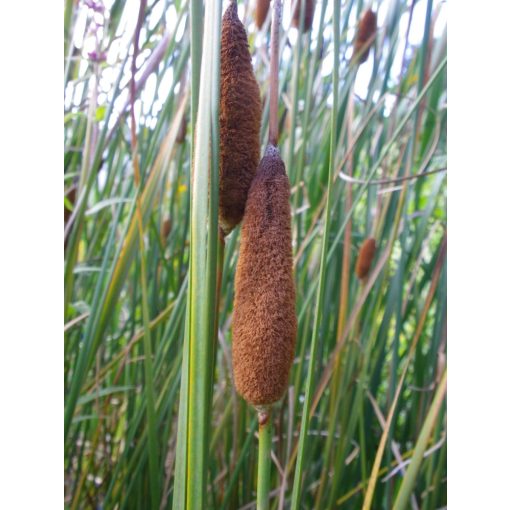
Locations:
(31, 257)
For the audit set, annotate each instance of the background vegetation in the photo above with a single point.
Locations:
(365, 152)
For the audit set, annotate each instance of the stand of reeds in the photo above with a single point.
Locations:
(152, 418)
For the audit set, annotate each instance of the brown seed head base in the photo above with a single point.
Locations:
(240, 113)
(365, 257)
(263, 416)
(366, 29)
(264, 321)
(309, 10)
(261, 11)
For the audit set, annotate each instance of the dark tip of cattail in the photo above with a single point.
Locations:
(309, 10)
(367, 27)
(181, 134)
(240, 114)
(261, 10)
(166, 228)
(264, 321)
(365, 257)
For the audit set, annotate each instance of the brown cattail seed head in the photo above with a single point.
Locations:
(240, 113)
(181, 134)
(166, 227)
(309, 10)
(365, 257)
(367, 27)
(261, 11)
(264, 321)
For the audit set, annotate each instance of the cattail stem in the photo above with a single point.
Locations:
(220, 257)
(264, 464)
(273, 73)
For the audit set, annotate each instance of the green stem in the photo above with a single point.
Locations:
(305, 421)
(264, 465)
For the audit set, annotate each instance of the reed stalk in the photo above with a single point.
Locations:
(305, 421)
(195, 409)
(152, 418)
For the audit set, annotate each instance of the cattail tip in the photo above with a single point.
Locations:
(367, 27)
(365, 257)
(261, 10)
(309, 11)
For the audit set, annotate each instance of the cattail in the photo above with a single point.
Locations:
(264, 320)
(240, 114)
(261, 11)
(367, 27)
(365, 257)
(309, 10)
(166, 227)
(181, 134)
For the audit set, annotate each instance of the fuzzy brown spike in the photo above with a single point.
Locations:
(181, 134)
(367, 27)
(365, 257)
(240, 114)
(166, 228)
(261, 10)
(309, 10)
(264, 321)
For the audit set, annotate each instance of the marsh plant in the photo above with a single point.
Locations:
(255, 254)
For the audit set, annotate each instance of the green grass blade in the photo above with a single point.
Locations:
(421, 445)
(303, 433)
